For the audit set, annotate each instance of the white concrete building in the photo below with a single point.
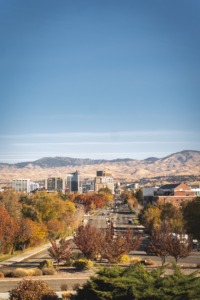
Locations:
(21, 185)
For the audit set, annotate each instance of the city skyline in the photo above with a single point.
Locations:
(91, 79)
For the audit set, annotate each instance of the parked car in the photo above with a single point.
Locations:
(195, 245)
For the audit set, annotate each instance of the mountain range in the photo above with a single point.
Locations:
(184, 163)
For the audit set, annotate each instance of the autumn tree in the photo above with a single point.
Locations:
(92, 201)
(139, 195)
(38, 232)
(178, 246)
(128, 197)
(56, 229)
(51, 206)
(107, 193)
(24, 234)
(158, 243)
(9, 199)
(8, 231)
(105, 190)
(49, 209)
(113, 247)
(163, 243)
(150, 217)
(173, 217)
(89, 240)
(60, 251)
(153, 215)
(191, 214)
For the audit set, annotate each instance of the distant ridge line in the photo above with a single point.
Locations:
(58, 161)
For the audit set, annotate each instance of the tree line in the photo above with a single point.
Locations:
(27, 220)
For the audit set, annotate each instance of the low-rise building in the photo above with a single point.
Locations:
(174, 193)
(88, 186)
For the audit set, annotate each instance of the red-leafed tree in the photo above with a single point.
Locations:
(24, 233)
(114, 247)
(158, 244)
(179, 246)
(92, 201)
(89, 240)
(164, 243)
(60, 251)
(8, 231)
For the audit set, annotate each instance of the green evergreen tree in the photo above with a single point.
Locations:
(135, 282)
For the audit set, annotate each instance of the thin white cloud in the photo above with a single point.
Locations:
(98, 143)
(97, 134)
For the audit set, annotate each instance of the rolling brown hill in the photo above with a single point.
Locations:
(184, 163)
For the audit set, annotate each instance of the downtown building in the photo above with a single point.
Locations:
(74, 183)
(21, 185)
(54, 184)
(103, 180)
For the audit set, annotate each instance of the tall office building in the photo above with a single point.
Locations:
(54, 184)
(74, 182)
(21, 185)
(103, 180)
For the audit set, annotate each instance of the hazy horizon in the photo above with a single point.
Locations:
(96, 158)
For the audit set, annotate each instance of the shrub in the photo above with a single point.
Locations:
(34, 290)
(76, 286)
(19, 272)
(124, 259)
(73, 258)
(64, 287)
(29, 272)
(34, 272)
(37, 272)
(66, 296)
(47, 263)
(68, 263)
(7, 273)
(135, 260)
(83, 264)
(1, 275)
(48, 271)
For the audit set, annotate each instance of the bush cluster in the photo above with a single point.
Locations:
(83, 264)
(47, 263)
(21, 272)
(124, 259)
(32, 290)
(48, 271)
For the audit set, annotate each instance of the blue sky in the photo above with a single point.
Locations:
(99, 79)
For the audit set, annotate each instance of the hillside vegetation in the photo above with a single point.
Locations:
(183, 163)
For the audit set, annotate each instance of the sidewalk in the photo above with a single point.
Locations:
(24, 255)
